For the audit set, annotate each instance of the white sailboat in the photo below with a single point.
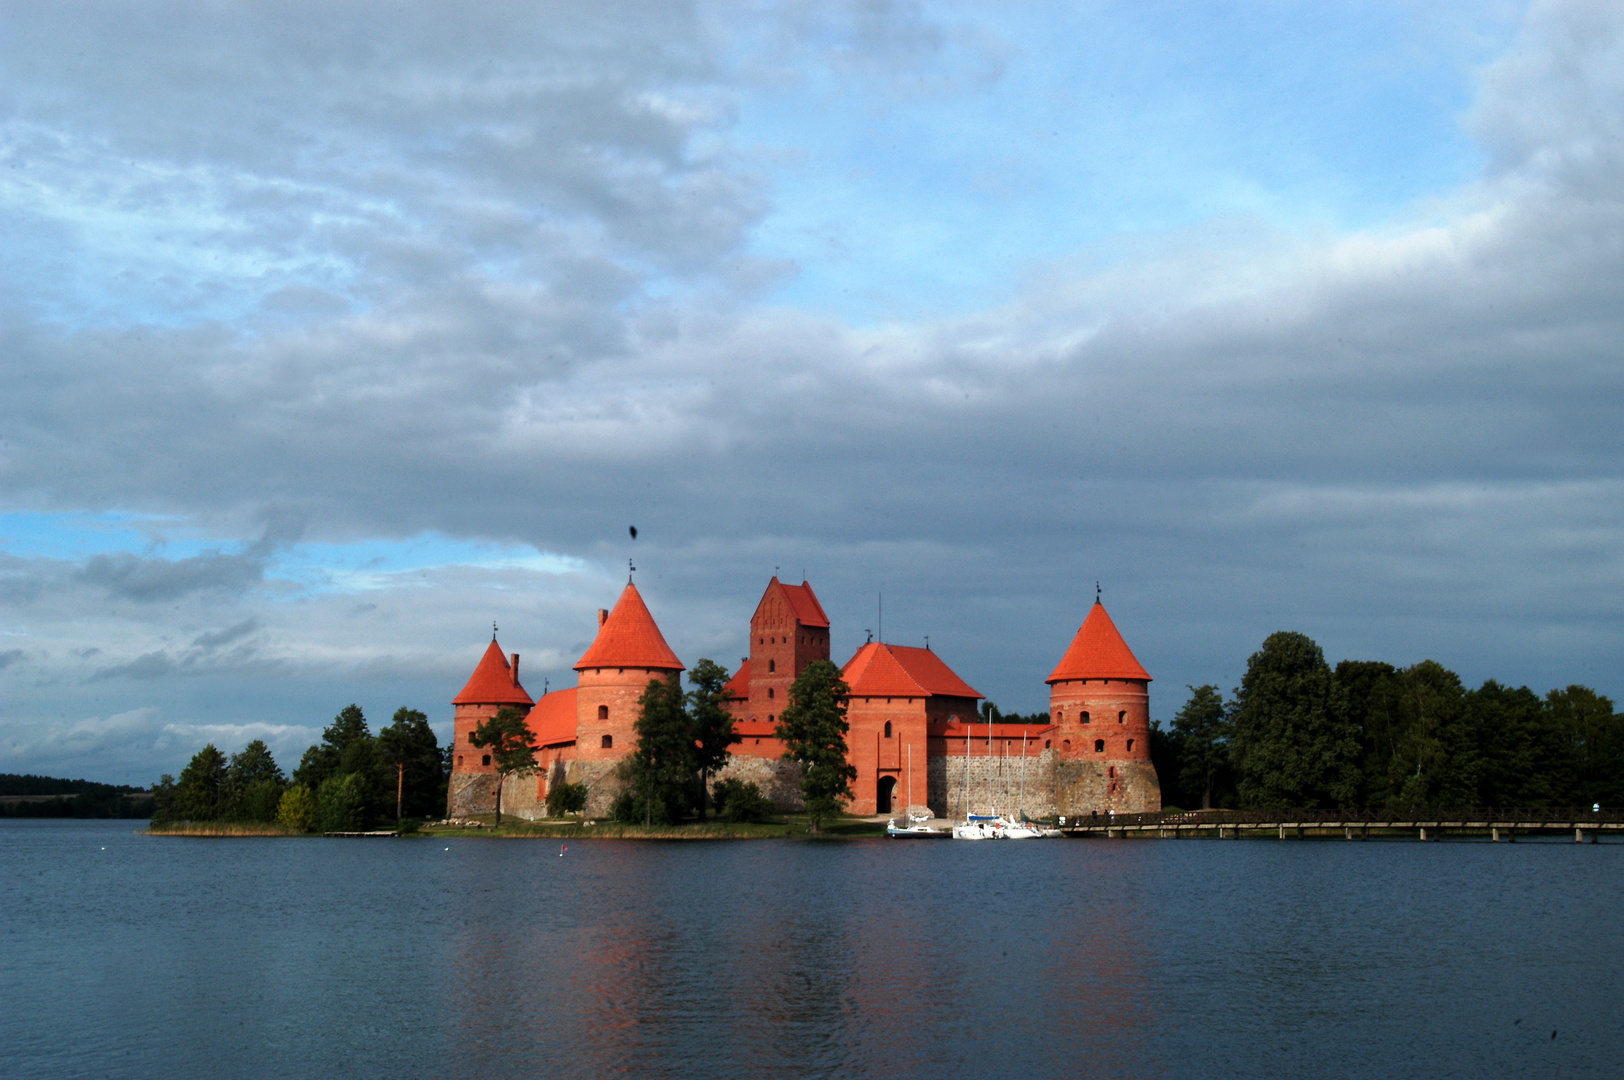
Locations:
(916, 827)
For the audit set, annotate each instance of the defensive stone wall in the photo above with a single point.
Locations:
(1086, 787)
(1053, 786)
(778, 779)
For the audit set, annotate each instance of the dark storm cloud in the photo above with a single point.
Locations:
(493, 266)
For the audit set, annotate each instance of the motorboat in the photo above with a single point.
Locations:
(979, 828)
(913, 830)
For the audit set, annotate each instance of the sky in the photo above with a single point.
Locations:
(331, 336)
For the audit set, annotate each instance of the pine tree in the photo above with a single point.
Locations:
(1292, 744)
(710, 721)
(813, 726)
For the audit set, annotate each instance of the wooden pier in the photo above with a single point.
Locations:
(1495, 825)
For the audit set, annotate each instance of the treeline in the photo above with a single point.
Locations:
(350, 781)
(1300, 734)
(46, 796)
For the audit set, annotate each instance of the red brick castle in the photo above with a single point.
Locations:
(916, 740)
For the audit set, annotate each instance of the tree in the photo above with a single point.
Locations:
(512, 746)
(200, 787)
(657, 777)
(1292, 745)
(1525, 761)
(1201, 731)
(710, 722)
(813, 726)
(340, 743)
(1594, 738)
(297, 810)
(566, 798)
(741, 800)
(342, 804)
(409, 745)
(254, 784)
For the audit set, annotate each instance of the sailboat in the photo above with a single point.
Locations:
(915, 829)
(978, 826)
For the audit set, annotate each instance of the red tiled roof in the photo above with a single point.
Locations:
(738, 687)
(803, 602)
(492, 682)
(1098, 652)
(974, 729)
(880, 670)
(629, 638)
(552, 721)
(755, 729)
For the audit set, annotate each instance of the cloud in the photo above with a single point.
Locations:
(11, 656)
(215, 639)
(490, 279)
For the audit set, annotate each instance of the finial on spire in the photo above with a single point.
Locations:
(927, 643)
(1096, 592)
(630, 570)
(493, 629)
(870, 637)
(544, 682)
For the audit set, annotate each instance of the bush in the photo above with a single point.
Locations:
(566, 798)
(297, 809)
(341, 804)
(740, 800)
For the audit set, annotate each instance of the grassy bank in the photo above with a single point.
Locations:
(218, 828)
(794, 826)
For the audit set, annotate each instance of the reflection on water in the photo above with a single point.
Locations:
(132, 956)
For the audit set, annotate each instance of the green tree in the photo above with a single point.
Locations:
(201, 785)
(512, 746)
(1292, 745)
(254, 784)
(409, 748)
(343, 804)
(339, 747)
(1524, 759)
(1436, 762)
(1201, 730)
(813, 726)
(297, 809)
(710, 722)
(1594, 737)
(566, 798)
(741, 800)
(657, 776)
(163, 800)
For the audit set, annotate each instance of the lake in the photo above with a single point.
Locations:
(130, 956)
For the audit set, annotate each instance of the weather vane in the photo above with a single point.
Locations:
(493, 629)
(630, 570)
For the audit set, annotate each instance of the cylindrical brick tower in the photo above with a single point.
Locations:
(494, 684)
(628, 652)
(1099, 702)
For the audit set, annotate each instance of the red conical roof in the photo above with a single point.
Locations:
(1098, 652)
(629, 638)
(879, 670)
(492, 682)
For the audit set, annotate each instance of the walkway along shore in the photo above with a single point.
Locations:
(1497, 825)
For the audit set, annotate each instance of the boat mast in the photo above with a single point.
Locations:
(1022, 807)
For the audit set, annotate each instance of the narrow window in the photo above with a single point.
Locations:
(769, 693)
(769, 718)
(603, 712)
(487, 761)
(1083, 719)
(1111, 771)
(1046, 744)
(888, 729)
(1066, 744)
(1099, 746)
(1130, 746)
(459, 761)
(608, 742)
(772, 665)
(1122, 717)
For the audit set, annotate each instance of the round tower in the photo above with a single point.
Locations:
(493, 686)
(627, 654)
(1099, 702)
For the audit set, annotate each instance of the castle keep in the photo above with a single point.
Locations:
(917, 740)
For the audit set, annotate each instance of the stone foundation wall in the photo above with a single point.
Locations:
(778, 779)
(1086, 787)
(992, 784)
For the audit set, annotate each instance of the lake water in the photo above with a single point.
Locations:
(130, 956)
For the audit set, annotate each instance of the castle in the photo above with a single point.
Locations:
(917, 740)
